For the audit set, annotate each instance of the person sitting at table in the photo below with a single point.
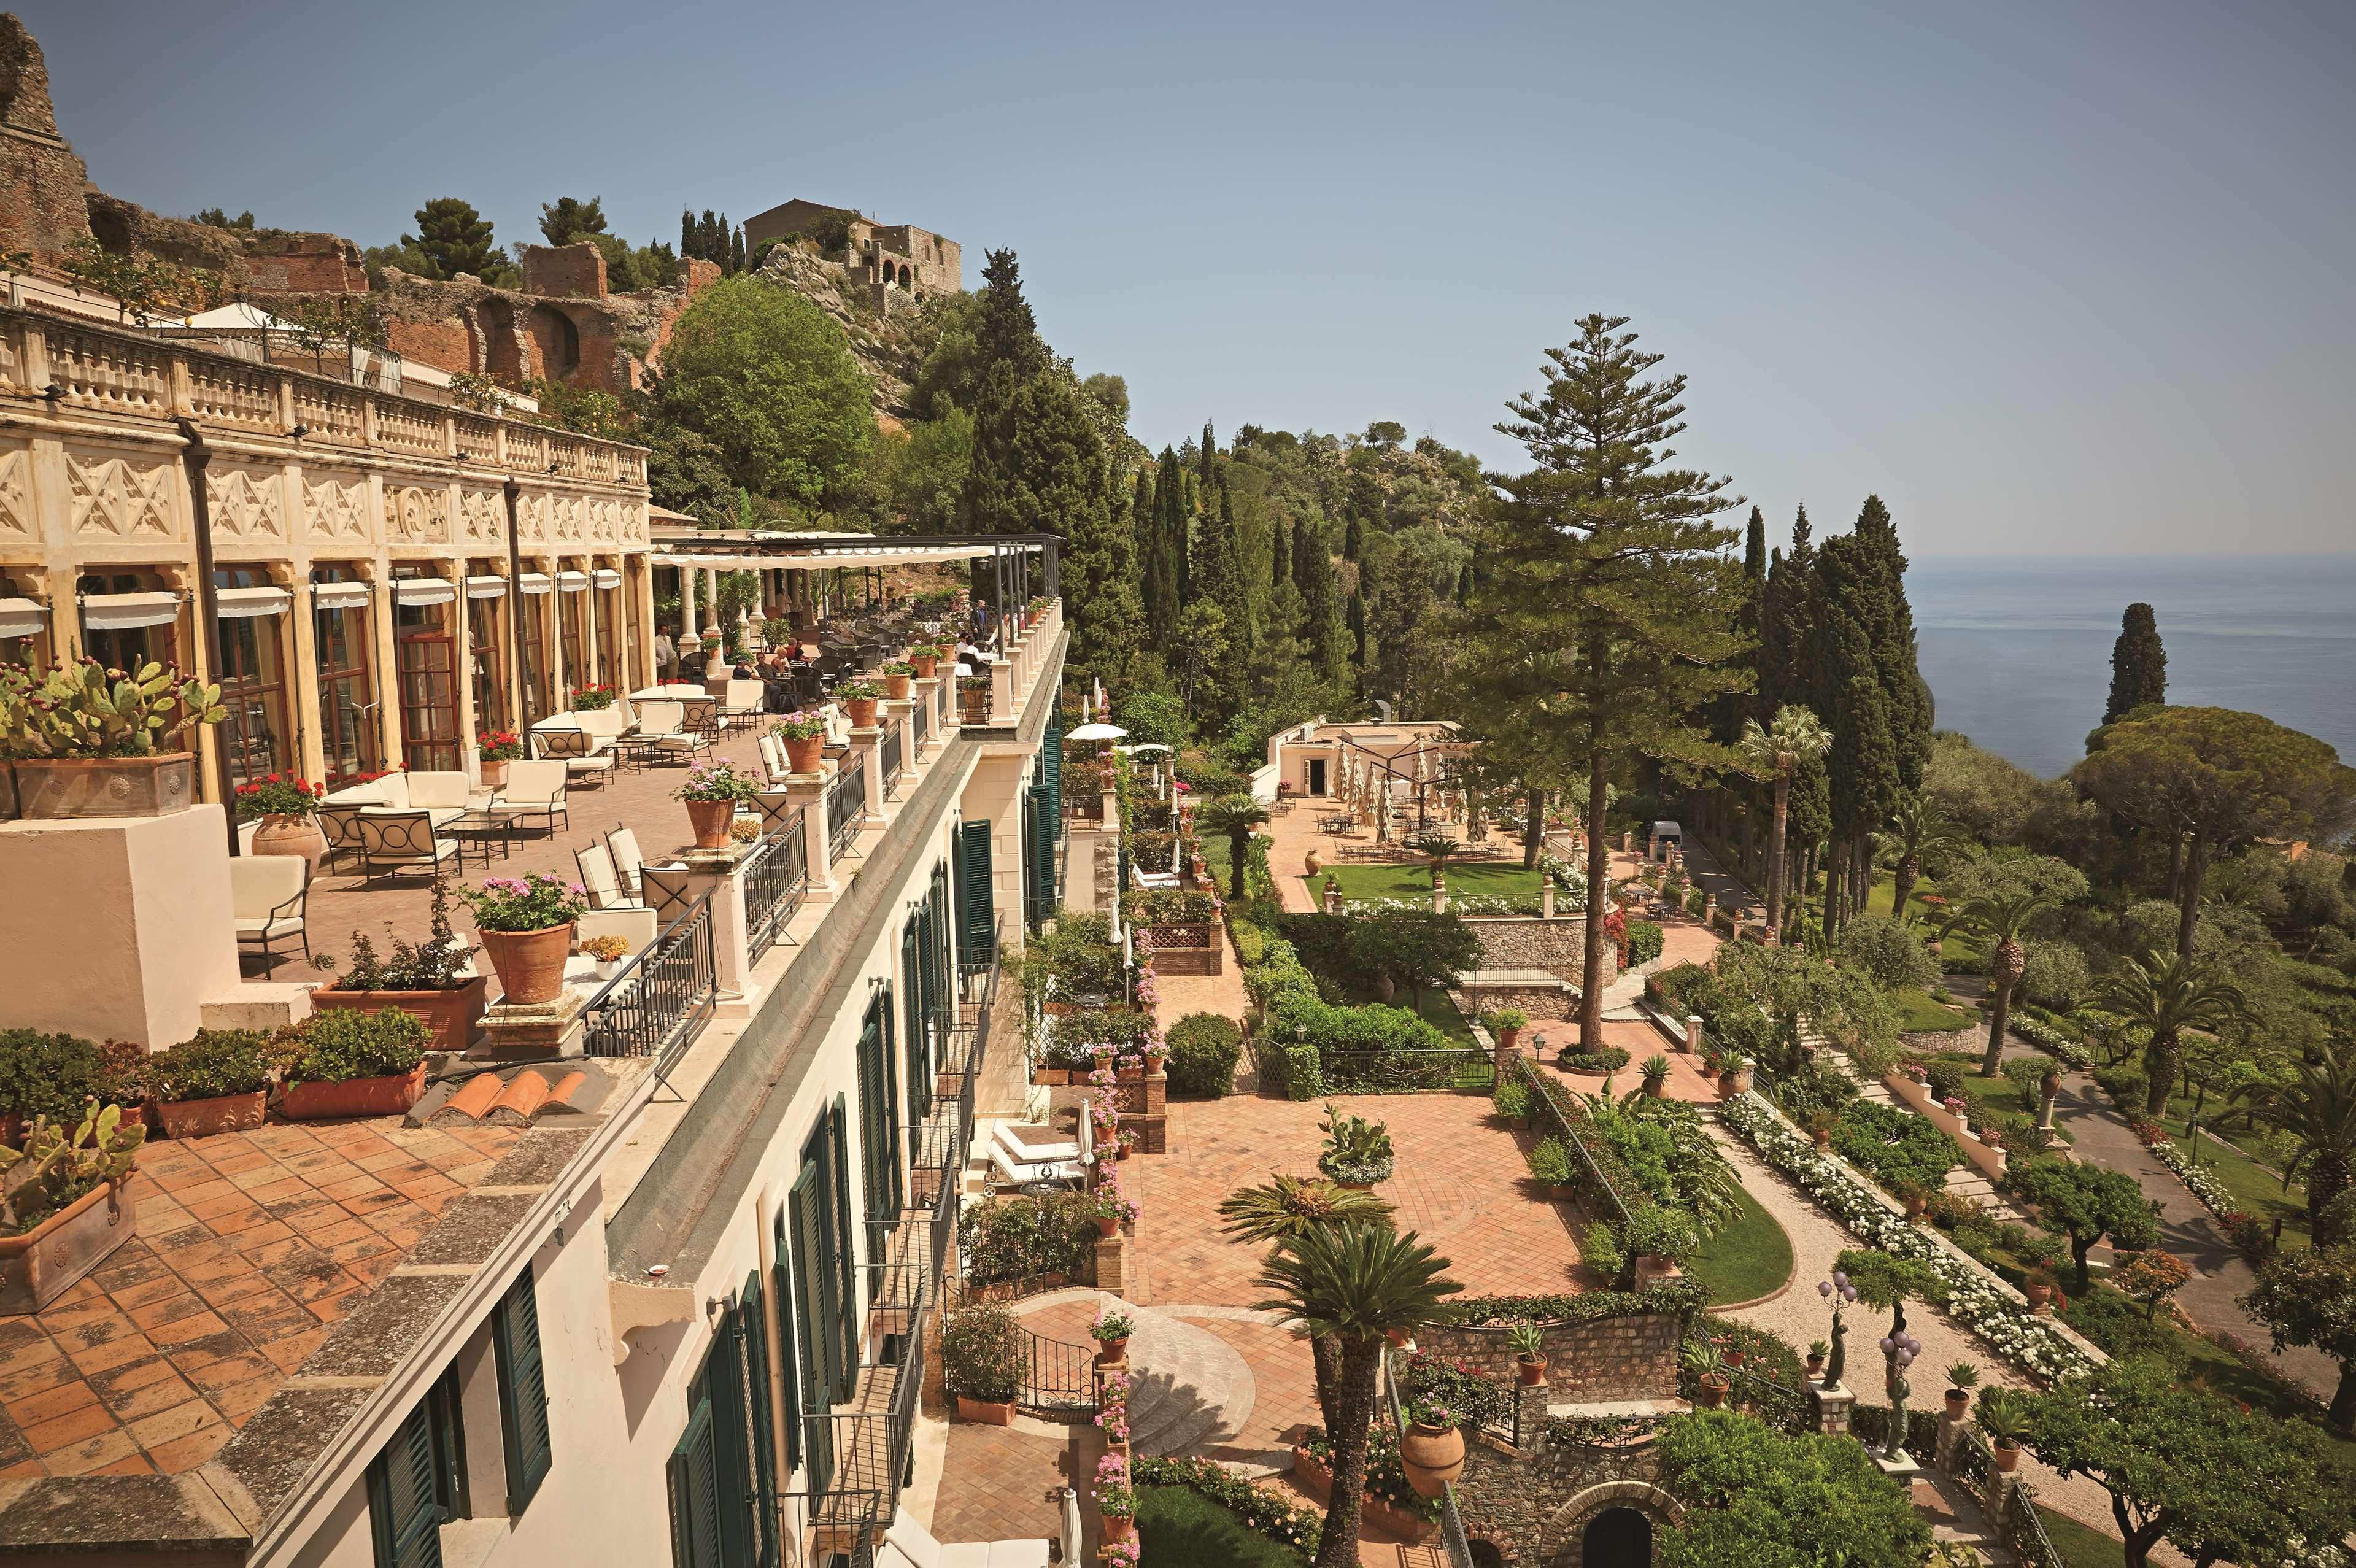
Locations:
(743, 670)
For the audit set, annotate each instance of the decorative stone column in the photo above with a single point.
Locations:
(1333, 898)
(721, 873)
(1830, 1403)
(1692, 1033)
(868, 743)
(1002, 692)
(1546, 897)
(2048, 1089)
(808, 792)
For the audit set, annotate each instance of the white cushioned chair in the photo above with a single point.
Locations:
(267, 896)
(533, 789)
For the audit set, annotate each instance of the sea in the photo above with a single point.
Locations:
(2017, 653)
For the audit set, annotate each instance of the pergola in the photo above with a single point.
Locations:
(811, 572)
(1371, 781)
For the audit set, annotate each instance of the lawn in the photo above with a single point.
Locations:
(2207, 1365)
(1918, 1014)
(2261, 1193)
(1410, 882)
(1749, 1256)
(1180, 1527)
(2081, 1546)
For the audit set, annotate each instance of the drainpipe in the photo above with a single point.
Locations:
(196, 458)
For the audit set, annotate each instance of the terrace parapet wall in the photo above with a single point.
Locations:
(1626, 1357)
(1530, 941)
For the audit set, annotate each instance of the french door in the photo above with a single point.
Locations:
(427, 675)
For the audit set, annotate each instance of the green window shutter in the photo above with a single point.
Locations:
(1044, 822)
(844, 1353)
(976, 918)
(813, 1308)
(404, 1514)
(523, 1392)
(758, 1422)
(694, 1476)
(1052, 761)
(879, 1129)
(791, 1356)
(912, 1019)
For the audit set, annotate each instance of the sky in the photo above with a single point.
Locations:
(2051, 279)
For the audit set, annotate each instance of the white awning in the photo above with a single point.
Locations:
(236, 604)
(535, 583)
(572, 581)
(22, 617)
(423, 590)
(607, 577)
(341, 595)
(486, 588)
(123, 612)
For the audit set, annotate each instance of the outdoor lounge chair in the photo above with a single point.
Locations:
(742, 706)
(597, 878)
(267, 895)
(394, 841)
(577, 749)
(1017, 1162)
(533, 790)
(663, 732)
(622, 845)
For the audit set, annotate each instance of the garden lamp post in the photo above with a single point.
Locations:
(1840, 1292)
(1898, 1350)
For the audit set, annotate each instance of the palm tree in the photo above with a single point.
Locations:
(2165, 994)
(1435, 848)
(2318, 1109)
(1918, 832)
(1797, 733)
(1354, 1283)
(2001, 918)
(1284, 1208)
(1233, 817)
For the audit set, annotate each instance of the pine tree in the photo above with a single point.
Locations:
(1350, 545)
(2139, 664)
(456, 239)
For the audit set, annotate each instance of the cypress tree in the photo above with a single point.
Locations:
(1351, 543)
(686, 232)
(737, 250)
(2139, 664)
(1754, 549)
(1163, 600)
(996, 499)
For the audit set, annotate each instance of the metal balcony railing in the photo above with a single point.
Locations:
(663, 996)
(777, 876)
(846, 806)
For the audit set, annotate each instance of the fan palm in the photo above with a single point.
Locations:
(2318, 1109)
(1282, 1210)
(1795, 733)
(2000, 918)
(1356, 1282)
(1918, 832)
(2163, 994)
(1233, 817)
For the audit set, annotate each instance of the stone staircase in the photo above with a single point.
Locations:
(1188, 1385)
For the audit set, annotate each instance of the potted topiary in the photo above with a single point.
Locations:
(712, 793)
(1111, 1331)
(858, 698)
(804, 737)
(526, 924)
(1656, 1075)
(497, 749)
(973, 695)
(896, 677)
(434, 979)
(354, 1064)
(1357, 1152)
(1962, 1379)
(287, 811)
(216, 1082)
(983, 1362)
(1528, 1344)
(1506, 1024)
(66, 1202)
(1431, 1449)
(87, 741)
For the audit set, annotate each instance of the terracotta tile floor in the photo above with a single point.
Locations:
(249, 1245)
(1001, 1485)
(1461, 1184)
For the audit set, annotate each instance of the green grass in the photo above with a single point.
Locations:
(1180, 1527)
(1749, 1256)
(1918, 1014)
(2205, 1365)
(1436, 1010)
(2251, 1186)
(2081, 1546)
(1411, 882)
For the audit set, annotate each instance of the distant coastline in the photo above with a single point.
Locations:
(2017, 652)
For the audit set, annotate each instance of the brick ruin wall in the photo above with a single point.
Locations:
(1528, 941)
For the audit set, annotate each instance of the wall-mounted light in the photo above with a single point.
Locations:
(55, 391)
(299, 431)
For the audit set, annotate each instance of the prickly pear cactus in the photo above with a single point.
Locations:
(51, 1170)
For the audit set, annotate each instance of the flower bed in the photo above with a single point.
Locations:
(2194, 1173)
(1258, 1509)
(1968, 1293)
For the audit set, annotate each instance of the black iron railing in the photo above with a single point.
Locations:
(893, 754)
(920, 728)
(663, 996)
(776, 875)
(1587, 1177)
(846, 805)
(1452, 1539)
(2026, 1527)
(1059, 1378)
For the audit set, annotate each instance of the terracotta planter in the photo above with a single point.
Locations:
(1508, 1038)
(1112, 1352)
(2006, 1455)
(1914, 1207)
(450, 1014)
(1310, 1474)
(925, 664)
(281, 833)
(1991, 1137)
(1051, 1077)
(1529, 1371)
(1432, 1457)
(862, 712)
(495, 773)
(218, 1113)
(1131, 1068)
(1815, 1366)
(530, 964)
(44, 1262)
(1734, 1355)
(2039, 1296)
(1107, 1225)
(58, 789)
(1562, 1192)
(1824, 1138)
(391, 1095)
(896, 686)
(804, 753)
(973, 707)
(710, 821)
(1654, 1088)
(1118, 1527)
(1712, 1389)
(1958, 1401)
(986, 1412)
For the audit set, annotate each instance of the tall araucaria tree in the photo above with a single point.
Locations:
(2138, 665)
(1606, 556)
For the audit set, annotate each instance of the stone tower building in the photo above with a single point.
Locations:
(885, 256)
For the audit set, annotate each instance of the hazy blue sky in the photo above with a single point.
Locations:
(2050, 278)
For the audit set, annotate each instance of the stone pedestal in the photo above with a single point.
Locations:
(1333, 898)
(808, 793)
(720, 871)
(1708, 908)
(1693, 1032)
(1545, 899)
(116, 928)
(1951, 1434)
(532, 1031)
(867, 744)
(1902, 1470)
(1831, 1403)
(1112, 1272)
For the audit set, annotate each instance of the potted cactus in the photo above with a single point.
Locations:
(1700, 1358)
(1357, 1152)
(2004, 1422)
(1818, 1349)
(66, 1202)
(87, 741)
(1656, 1075)
(1962, 1379)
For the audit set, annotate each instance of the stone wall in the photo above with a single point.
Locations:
(1542, 1004)
(41, 180)
(1530, 941)
(567, 272)
(1631, 1357)
(1533, 1505)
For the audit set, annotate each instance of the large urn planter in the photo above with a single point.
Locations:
(974, 705)
(279, 833)
(1432, 1457)
(390, 1095)
(986, 1412)
(530, 964)
(804, 753)
(896, 687)
(450, 1015)
(44, 1262)
(217, 1113)
(57, 789)
(709, 819)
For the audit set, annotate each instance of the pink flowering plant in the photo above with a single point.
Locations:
(1111, 1324)
(1116, 1498)
(1112, 1407)
(716, 781)
(1123, 1554)
(1109, 1202)
(533, 902)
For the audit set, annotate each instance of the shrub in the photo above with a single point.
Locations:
(2118, 1325)
(2055, 977)
(1948, 1076)
(1019, 1236)
(341, 1043)
(1251, 943)
(1550, 1162)
(1895, 1147)
(1510, 1099)
(1644, 943)
(1297, 1072)
(51, 1074)
(1889, 952)
(216, 1062)
(1072, 1034)
(1609, 1060)
(982, 1353)
(1204, 1052)
(1169, 907)
(1658, 1232)
(2127, 1085)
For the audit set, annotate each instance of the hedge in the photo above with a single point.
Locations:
(1676, 1298)
(1260, 1508)
(1644, 943)
(1204, 1052)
